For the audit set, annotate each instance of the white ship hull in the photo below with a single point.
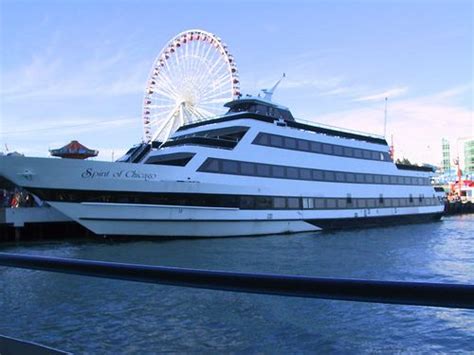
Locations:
(183, 221)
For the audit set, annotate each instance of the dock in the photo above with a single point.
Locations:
(451, 208)
(36, 223)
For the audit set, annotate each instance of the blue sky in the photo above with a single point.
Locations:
(77, 69)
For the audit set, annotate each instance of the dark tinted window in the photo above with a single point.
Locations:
(360, 178)
(327, 148)
(263, 170)
(176, 159)
(305, 174)
(276, 141)
(292, 173)
(303, 145)
(316, 147)
(230, 167)
(293, 202)
(263, 202)
(371, 202)
(341, 203)
(348, 152)
(210, 165)
(338, 150)
(279, 202)
(331, 203)
(361, 203)
(318, 175)
(329, 176)
(247, 168)
(247, 202)
(319, 203)
(290, 143)
(263, 138)
(278, 171)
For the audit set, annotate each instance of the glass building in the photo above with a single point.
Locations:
(468, 157)
(446, 162)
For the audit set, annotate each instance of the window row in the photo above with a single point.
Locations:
(297, 203)
(174, 159)
(252, 202)
(213, 165)
(273, 140)
(227, 138)
(381, 202)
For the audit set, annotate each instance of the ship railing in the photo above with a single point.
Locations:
(389, 292)
(340, 129)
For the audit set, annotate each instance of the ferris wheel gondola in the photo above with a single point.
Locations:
(191, 79)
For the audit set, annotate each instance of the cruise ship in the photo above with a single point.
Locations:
(252, 171)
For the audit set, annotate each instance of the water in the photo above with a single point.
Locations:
(87, 315)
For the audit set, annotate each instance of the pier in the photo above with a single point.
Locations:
(36, 223)
(451, 208)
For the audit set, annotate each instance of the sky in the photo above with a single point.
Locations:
(78, 69)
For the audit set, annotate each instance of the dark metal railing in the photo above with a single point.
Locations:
(406, 293)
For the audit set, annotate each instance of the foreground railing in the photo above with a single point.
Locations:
(406, 293)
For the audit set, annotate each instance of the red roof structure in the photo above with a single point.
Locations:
(74, 150)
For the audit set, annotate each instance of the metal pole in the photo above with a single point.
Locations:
(407, 293)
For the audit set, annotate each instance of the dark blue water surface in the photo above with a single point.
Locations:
(88, 315)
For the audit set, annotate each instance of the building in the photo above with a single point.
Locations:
(446, 162)
(469, 157)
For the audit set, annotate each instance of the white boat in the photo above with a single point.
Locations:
(252, 171)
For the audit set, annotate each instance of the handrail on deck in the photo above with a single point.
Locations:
(391, 292)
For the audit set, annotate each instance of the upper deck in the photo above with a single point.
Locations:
(262, 110)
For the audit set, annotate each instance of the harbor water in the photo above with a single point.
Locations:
(88, 315)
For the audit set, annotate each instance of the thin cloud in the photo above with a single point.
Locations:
(73, 125)
(47, 75)
(391, 93)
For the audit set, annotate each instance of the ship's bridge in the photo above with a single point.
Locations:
(259, 106)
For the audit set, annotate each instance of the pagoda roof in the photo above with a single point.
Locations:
(74, 150)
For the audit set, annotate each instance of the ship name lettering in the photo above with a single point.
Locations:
(137, 175)
(90, 174)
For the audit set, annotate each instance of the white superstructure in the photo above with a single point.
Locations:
(252, 171)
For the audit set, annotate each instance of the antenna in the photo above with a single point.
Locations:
(269, 92)
(385, 119)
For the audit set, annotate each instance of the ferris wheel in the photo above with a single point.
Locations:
(191, 79)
